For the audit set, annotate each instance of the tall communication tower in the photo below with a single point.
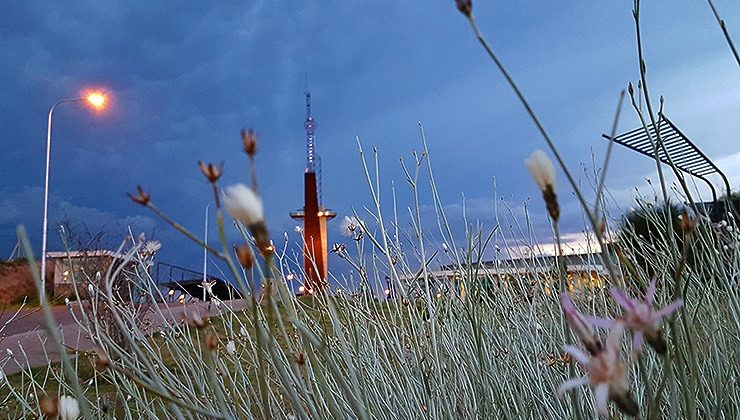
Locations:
(313, 214)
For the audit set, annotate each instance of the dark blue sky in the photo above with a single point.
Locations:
(187, 76)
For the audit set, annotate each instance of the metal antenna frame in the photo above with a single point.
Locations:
(685, 155)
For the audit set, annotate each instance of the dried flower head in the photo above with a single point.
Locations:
(243, 204)
(338, 248)
(543, 172)
(49, 406)
(249, 142)
(244, 256)
(69, 408)
(688, 222)
(541, 169)
(300, 358)
(211, 342)
(212, 172)
(607, 375)
(262, 239)
(141, 196)
(102, 361)
(350, 225)
(151, 248)
(465, 7)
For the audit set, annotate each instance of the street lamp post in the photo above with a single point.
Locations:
(97, 100)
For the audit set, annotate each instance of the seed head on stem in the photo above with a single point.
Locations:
(211, 171)
(245, 206)
(141, 196)
(249, 142)
(543, 172)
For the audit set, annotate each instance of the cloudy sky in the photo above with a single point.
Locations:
(185, 77)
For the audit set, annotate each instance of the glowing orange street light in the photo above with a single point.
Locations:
(95, 99)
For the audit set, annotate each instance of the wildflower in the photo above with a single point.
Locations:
(141, 198)
(349, 225)
(540, 166)
(212, 172)
(607, 375)
(243, 204)
(249, 141)
(580, 326)
(231, 347)
(640, 317)
(90, 289)
(69, 408)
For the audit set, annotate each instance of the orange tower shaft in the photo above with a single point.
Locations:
(315, 252)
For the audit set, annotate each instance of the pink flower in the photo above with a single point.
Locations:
(644, 321)
(606, 374)
(580, 326)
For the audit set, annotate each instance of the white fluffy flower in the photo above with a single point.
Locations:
(231, 347)
(69, 408)
(243, 204)
(349, 225)
(540, 166)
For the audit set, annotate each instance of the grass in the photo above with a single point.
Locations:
(489, 348)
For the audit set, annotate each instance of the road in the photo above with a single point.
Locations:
(24, 343)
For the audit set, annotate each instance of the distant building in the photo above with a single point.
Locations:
(583, 271)
(83, 267)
